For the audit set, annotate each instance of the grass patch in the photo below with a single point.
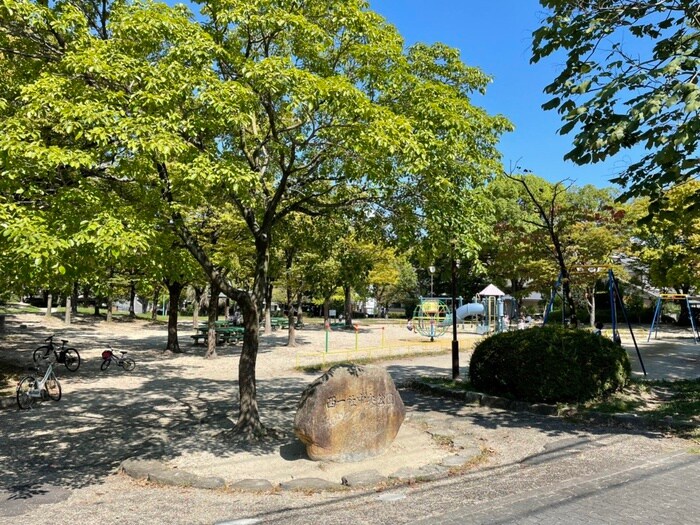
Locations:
(659, 402)
(678, 399)
(449, 384)
(365, 360)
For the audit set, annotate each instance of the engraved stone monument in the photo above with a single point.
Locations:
(350, 413)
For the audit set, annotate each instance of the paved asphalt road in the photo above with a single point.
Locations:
(661, 489)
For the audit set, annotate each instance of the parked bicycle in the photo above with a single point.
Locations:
(125, 362)
(29, 388)
(67, 356)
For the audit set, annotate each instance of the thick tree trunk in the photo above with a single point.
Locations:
(326, 307)
(212, 311)
(97, 307)
(132, 300)
(348, 306)
(174, 291)
(249, 423)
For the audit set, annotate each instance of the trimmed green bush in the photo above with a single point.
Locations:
(548, 364)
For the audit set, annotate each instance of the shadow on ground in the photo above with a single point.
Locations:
(163, 414)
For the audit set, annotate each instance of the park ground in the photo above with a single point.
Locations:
(63, 457)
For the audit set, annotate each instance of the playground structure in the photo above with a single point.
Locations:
(433, 316)
(430, 318)
(691, 302)
(615, 300)
(495, 304)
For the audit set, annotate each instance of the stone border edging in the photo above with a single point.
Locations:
(157, 472)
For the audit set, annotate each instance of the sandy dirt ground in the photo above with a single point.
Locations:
(186, 388)
(61, 459)
(178, 408)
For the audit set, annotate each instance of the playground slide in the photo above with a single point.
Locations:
(465, 311)
(469, 309)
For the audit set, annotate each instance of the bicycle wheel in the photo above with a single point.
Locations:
(41, 353)
(105, 364)
(129, 364)
(72, 361)
(24, 400)
(53, 388)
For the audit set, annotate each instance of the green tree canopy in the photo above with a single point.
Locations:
(630, 81)
(265, 109)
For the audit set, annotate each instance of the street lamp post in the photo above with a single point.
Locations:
(455, 341)
(432, 271)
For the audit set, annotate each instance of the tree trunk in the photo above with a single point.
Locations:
(291, 331)
(566, 291)
(110, 306)
(300, 312)
(326, 307)
(174, 291)
(684, 315)
(74, 302)
(97, 307)
(68, 309)
(132, 300)
(348, 306)
(154, 303)
(249, 423)
(49, 305)
(268, 309)
(212, 311)
(198, 293)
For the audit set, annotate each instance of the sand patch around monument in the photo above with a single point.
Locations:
(413, 446)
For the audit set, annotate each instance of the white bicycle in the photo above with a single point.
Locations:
(29, 389)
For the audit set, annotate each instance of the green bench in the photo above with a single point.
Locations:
(229, 334)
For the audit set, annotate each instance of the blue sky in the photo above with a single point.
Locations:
(495, 35)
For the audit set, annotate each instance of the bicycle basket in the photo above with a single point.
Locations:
(106, 354)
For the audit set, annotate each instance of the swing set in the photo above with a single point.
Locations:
(690, 303)
(615, 300)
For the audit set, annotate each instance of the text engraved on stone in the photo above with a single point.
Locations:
(365, 398)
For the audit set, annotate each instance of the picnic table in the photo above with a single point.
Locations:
(279, 322)
(225, 333)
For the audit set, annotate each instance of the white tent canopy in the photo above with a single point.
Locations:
(491, 291)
